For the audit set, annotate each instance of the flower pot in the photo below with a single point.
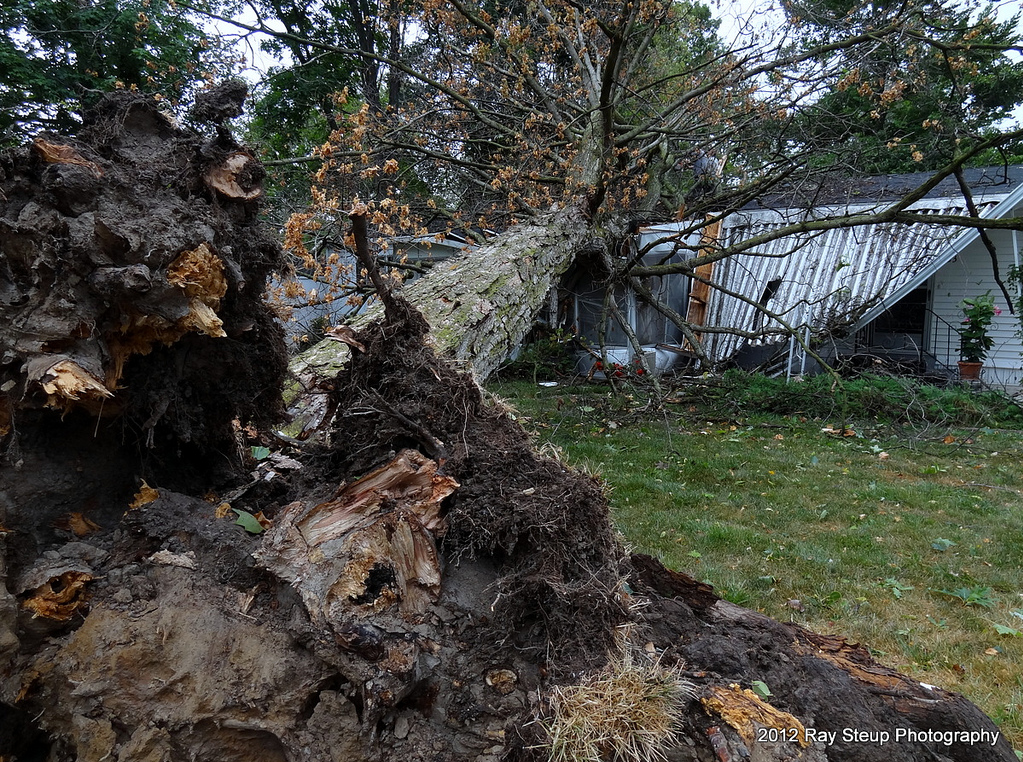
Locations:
(969, 371)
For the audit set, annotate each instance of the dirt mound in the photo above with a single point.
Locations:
(547, 526)
(134, 334)
(129, 242)
(413, 589)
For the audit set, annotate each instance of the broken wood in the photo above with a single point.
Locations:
(232, 177)
(64, 381)
(370, 548)
(55, 153)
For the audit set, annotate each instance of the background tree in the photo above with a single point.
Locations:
(57, 57)
(521, 109)
(910, 102)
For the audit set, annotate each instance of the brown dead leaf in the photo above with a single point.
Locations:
(144, 496)
(346, 335)
(949, 439)
(223, 511)
(61, 597)
(991, 651)
(263, 520)
(78, 524)
(54, 153)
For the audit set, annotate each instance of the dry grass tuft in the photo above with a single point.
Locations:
(625, 712)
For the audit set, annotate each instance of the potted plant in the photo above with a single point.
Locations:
(974, 340)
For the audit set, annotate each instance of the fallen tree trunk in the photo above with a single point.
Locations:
(426, 587)
(479, 306)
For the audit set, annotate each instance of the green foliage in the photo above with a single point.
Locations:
(974, 339)
(248, 522)
(886, 399)
(916, 100)
(551, 355)
(58, 56)
(833, 532)
(896, 588)
(296, 106)
(971, 596)
(761, 689)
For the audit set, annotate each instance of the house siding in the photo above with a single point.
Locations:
(970, 274)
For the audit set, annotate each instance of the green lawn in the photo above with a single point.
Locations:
(907, 539)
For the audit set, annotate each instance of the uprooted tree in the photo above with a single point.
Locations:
(181, 582)
(572, 126)
(565, 128)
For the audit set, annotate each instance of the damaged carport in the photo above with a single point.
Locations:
(825, 286)
(426, 577)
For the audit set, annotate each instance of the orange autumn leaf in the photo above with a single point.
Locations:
(144, 496)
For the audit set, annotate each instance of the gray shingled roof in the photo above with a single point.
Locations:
(832, 190)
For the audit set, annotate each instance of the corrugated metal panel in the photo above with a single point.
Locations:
(824, 279)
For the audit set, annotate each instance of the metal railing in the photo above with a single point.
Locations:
(946, 336)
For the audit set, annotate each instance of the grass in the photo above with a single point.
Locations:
(900, 530)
